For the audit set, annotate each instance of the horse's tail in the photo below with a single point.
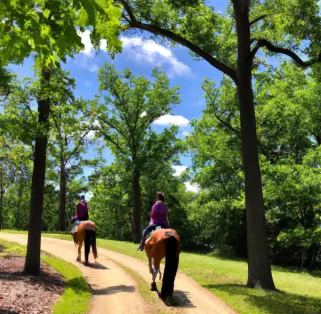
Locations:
(171, 266)
(93, 244)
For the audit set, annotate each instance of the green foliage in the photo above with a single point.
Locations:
(286, 109)
(131, 105)
(49, 28)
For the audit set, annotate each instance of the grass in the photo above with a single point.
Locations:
(76, 296)
(299, 292)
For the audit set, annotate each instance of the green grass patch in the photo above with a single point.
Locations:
(76, 296)
(299, 292)
(11, 249)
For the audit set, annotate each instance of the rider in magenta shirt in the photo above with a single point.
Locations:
(82, 210)
(158, 217)
(159, 214)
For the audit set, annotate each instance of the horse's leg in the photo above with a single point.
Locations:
(156, 269)
(150, 264)
(87, 244)
(79, 250)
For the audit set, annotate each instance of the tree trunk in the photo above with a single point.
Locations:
(32, 264)
(62, 197)
(137, 207)
(259, 268)
(20, 195)
(1, 200)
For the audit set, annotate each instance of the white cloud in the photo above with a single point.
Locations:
(179, 170)
(91, 134)
(192, 187)
(171, 119)
(89, 50)
(140, 50)
(143, 114)
(85, 39)
(155, 54)
(88, 195)
(186, 133)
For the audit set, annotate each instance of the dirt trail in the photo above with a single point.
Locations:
(114, 291)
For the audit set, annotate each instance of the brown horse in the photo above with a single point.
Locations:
(85, 232)
(163, 242)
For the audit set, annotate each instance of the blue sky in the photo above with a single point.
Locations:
(141, 55)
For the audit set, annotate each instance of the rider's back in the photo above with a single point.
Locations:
(159, 214)
(82, 211)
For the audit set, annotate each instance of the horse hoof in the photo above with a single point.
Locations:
(153, 286)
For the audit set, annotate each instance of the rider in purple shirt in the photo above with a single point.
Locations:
(158, 217)
(82, 210)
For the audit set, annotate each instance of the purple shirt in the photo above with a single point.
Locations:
(159, 214)
(82, 211)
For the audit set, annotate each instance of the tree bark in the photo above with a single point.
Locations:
(259, 268)
(32, 264)
(1, 199)
(62, 197)
(137, 207)
(20, 195)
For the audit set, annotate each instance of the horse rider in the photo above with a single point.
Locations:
(158, 217)
(82, 211)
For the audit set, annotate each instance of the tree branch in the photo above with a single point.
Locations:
(129, 10)
(179, 39)
(205, 55)
(80, 142)
(109, 139)
(265, 43)
(258, 19)
(227, 125)
(105, 120)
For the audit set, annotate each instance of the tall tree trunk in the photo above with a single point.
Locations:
(1, 199)
(62, 197)
(137, 206)
(259, 268)
(20, 194)
(32, 264)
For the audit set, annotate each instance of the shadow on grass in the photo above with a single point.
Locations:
(273, 302)
(316, 273)
(78, 284)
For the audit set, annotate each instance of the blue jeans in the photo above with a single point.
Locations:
(145, 232)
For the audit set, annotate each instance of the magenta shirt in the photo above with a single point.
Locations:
(159, 214)
(82, 211)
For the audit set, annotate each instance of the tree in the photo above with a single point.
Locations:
(221, 42)
(125, 119)
(51, 26)
(289, 159)
(68, 137)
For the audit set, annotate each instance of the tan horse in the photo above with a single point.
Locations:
(85, 232)
(163, 242)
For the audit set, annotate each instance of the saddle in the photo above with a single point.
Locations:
(87, 227)
(153, 230)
